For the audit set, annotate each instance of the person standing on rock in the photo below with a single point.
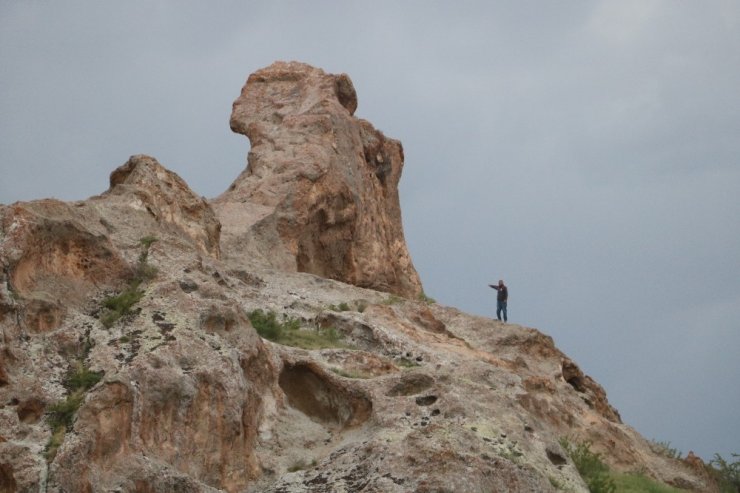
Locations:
(501, 298)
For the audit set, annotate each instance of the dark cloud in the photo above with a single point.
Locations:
(586, 153)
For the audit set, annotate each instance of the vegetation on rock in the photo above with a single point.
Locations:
(289, 333)
(593, 470)
(727, 474)
(61, 414)
(120, 305)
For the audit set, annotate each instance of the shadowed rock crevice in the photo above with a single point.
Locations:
(315, 394)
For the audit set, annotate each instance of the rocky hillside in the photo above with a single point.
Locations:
(130, 358)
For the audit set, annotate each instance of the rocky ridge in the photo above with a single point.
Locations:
(188, 397)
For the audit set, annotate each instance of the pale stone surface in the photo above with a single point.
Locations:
(321, 188)
(424, 398)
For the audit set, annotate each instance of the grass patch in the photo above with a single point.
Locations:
(342, 307)
(593, 470)
(120, 305)
(288, 332)
(56, 440)
(407, 363)
(392, 300)
(61, 415)
(349, 374)
(665, 449)
(147, 241)
(63, 412)
(81, 378)
(639, 483)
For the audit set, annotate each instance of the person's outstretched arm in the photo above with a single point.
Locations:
(493, 286)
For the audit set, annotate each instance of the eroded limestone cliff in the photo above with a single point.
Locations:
(129, 362)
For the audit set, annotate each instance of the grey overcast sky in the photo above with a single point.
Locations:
(586, 152)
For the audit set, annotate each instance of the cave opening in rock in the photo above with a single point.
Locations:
(316, 395)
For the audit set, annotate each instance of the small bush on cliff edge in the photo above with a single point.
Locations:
(590, 466)
(726, 473)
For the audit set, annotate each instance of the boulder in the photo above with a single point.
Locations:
(320, 191)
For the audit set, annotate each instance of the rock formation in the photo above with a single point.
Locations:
(129, 362)
(325, 183)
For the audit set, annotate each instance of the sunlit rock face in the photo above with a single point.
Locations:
(179, 392)
(325, 183)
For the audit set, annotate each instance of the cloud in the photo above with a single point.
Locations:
(586, 153)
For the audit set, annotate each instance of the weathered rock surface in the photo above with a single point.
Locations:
(418, 397)
(320, 193)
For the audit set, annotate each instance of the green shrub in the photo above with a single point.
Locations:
(147, 241)
(63, 412)
(82, 378)
(266, 324)
(120, 305)
(143, 273)
(342, 307)
(726, 473)
(590, 466)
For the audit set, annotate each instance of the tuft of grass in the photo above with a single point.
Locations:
(361, 306)
(147, 241)
(55, 441)
(639, 483)
(590, 466)
(349, 374)
(62, 413)
(289, 333)
(392, 300)
(342, 307)
(81, 378)
(665, 449)
(407, 363)
(120, 305)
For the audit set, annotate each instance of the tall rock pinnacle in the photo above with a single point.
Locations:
(320, 192)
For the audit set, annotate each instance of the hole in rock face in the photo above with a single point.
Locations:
(426, 400)
(555, 457)
(313, 393)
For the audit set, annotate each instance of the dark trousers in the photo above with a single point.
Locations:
(500, 306)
